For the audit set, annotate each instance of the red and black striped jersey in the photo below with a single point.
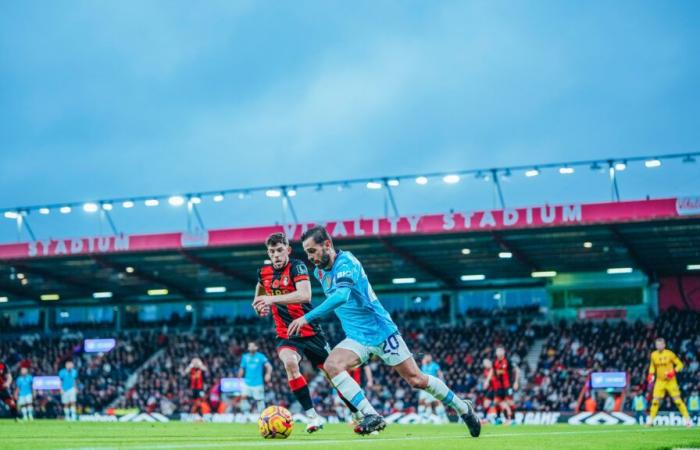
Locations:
(196, 378)
(3, 373)
(502, 373)
(283, 281)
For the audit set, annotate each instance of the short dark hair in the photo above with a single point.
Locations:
(276, 238)
(318, 233)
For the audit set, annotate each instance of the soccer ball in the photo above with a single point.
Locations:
(275, 422)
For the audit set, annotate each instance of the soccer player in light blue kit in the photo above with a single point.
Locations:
(69, 390)
(24, 394)
(427, 404)
(253, 364)
(369, 331)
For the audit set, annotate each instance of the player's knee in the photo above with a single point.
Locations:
(333, 367)
(291, 366)
(417, 381)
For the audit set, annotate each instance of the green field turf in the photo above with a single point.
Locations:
(178, 435)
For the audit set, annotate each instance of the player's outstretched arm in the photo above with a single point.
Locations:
(339, 297)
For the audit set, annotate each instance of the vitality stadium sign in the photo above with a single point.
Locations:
(453, 222)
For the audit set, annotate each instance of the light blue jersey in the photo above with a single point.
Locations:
(362, 316)
(24, 384)
(68, 378)
(431, 369)
(254, 367)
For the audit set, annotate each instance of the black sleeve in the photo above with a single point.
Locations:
(299, 271)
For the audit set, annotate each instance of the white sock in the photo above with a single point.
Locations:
(440, 411)
(66, 413)
(440, 391)
(74, 416)
(311, 414)
(261, 405)
(31, 412)
(352, 391)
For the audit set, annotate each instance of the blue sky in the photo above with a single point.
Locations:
(101, 99)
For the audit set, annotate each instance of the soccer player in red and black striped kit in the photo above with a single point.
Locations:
(285, 290)
(5, 393)
(195, 371)
(503, 378)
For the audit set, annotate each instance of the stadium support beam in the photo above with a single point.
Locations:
(632, 252)
(499, 190)
(392, 200)
(421, 265)
(147, 277)
(49, 319)
(518, 254)
(233, 274)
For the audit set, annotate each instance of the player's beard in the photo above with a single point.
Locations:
(325, 261)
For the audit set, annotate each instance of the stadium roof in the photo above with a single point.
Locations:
(656, 237)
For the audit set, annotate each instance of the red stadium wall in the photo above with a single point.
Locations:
(680, 292)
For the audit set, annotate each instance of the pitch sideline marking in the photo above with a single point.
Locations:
(364, 441)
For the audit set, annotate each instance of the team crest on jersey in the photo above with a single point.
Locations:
(327, 282)
(285, 281)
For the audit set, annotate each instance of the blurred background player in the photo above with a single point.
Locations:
(427, 404)
(663, 368)
(69, 390)
(506, 376)
(639, 405)
(694, 403)
(5, 394)
(284, 289)
(195, 370)
(369, 330)
(25, 400)
(255, 370)
(490, 387)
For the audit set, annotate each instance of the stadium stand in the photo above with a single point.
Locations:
(572, 350)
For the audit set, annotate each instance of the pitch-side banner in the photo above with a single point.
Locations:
(521, 418)
(571, 214)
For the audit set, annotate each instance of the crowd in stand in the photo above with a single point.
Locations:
(574, 350)
(102, 376)
(571, 352)
(164, 385)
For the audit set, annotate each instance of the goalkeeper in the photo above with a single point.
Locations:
(662, 372)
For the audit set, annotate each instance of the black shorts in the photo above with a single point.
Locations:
(501, 394)
(314, 348)
(197, 393)
(5, 394)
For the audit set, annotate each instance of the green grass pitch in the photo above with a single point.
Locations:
(177, 435)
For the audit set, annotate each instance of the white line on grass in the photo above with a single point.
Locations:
(233, 444)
